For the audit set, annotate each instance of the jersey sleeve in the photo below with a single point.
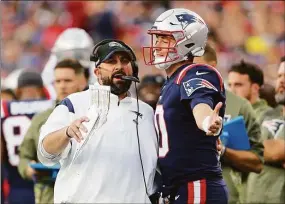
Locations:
(59, 118)
(201, 84)
(27, 151)
(253, 129)
(28, 148)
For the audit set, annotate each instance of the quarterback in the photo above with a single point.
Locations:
(188, 116)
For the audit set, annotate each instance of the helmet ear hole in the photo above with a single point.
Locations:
(189, 45)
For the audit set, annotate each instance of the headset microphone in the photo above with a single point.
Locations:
(129, 78)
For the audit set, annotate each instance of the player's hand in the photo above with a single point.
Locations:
(219, 146)
(73, 130)
(215, 121)
(30, 172)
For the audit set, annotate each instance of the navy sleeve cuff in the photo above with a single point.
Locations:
(206, 100)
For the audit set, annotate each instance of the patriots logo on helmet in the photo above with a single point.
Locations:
(273, 125)
(187, 19)
(193, 84)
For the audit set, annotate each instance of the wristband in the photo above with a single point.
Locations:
(66, 132)
(205, 124)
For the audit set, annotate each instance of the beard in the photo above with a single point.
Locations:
(118, 88)
(280, 98)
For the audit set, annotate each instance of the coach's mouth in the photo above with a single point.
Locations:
(118, 77)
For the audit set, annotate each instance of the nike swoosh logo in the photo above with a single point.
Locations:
(173, 23)
(176, 197)
(201, 73)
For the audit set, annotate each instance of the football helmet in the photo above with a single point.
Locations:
(189, 31)
(11, 81)
(71, 43)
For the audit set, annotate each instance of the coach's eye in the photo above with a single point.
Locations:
(125, 60)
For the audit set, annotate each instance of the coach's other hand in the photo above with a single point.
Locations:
(73, 130)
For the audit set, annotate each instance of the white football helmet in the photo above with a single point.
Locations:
(71, 43)
(11, 81)
(189, 31)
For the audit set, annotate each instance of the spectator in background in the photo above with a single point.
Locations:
(7, 95)
(267, 92)
(236, 164)
(30, 86)
(149, 89)
(28, 26)
(269, 186)
(101, 22)
(72, 43)
(245, 79)
(68, 74)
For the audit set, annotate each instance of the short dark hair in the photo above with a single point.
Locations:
(72, 64)
(253, 71)
(210, 54)
(282, 59)
(10, 92)
(30, 78)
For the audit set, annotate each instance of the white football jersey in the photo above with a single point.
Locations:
(108, 168)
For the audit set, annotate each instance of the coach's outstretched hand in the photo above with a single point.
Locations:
(215, 121)
(73, 130)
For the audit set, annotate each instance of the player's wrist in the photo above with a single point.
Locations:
(66, 132)
(206, 123)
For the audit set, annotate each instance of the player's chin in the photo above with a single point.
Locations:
(61, 96)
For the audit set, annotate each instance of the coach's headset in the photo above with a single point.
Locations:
(96, 58)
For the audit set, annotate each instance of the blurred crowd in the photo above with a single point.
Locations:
(252, 30)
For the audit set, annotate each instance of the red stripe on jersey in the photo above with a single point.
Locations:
(203, 191)
(5, 108)
(197, 192)
(47, 94)
(208, 84)
(190, 199)
(184, 71)
(6, 188)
